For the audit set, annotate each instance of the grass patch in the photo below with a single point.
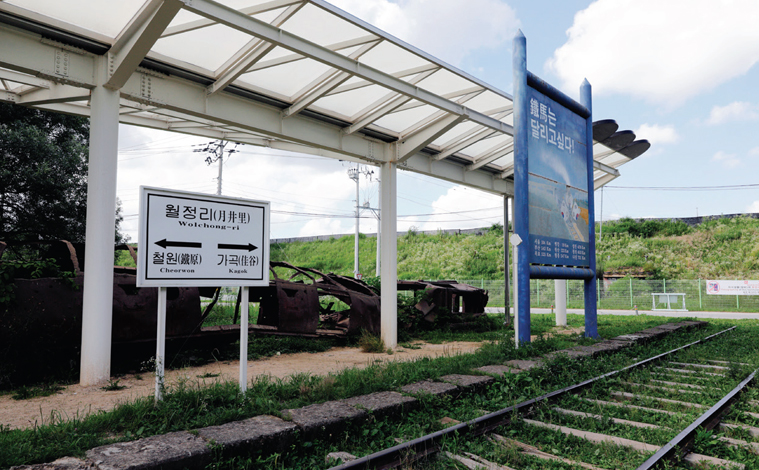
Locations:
(370, 343)
(190, 405)
(25, 393)
(208, 375)
(112, 386)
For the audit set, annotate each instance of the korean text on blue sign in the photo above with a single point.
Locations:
(558, 184)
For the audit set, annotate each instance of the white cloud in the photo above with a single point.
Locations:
(461, 208)
(754, 151)
(323, 227)
(295, 185)
(662, 51)
(447, 29)
(729, 160)
(735, 111)
(657, 134)
(754, 207)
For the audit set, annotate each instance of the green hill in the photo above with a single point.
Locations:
(726, 248)
(420, 255)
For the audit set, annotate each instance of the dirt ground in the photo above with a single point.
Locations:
(77, 401)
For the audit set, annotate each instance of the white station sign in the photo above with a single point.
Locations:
(191, 239)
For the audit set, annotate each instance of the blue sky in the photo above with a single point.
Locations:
(680, 73)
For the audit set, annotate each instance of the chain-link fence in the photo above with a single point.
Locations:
(625, 294)
(620, 294)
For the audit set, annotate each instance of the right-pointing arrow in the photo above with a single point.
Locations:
(249, 247)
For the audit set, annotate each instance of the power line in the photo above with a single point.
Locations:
(736, 187)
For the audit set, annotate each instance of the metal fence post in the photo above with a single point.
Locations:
(598, 291)
(700, 305)
(631, 292)
(537, 284)
(665, 285)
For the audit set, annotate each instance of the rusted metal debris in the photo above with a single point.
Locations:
(297, 301)
(302, 300)
(450, 296)
(53, 305)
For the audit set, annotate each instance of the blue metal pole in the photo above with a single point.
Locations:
(591, 309)
(521, 206)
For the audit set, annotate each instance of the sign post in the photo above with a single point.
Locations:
(553, 186)
(515, 241)
(192, 239)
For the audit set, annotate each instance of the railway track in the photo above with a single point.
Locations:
(631, 414)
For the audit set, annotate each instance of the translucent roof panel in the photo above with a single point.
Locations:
(398, 122)
(294, 66)
(484, 145)
(287, 79)
(354, 102)
(201, 46)
(321, 27)
(104, 17)
(444, 82)
(391, 59)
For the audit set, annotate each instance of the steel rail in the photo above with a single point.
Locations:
(422, 446)
(681, 444)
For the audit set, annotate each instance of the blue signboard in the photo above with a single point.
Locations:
(553, 189)
(558, 183)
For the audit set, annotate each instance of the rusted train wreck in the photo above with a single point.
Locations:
(298, 301)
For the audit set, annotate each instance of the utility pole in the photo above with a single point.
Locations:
(215, 150)
(354, 173)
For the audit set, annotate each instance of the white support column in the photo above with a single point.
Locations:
(560, 295)
(379, 234)
(97, 308)
(389, 254)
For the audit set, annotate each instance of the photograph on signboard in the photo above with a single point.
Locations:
(558, 184)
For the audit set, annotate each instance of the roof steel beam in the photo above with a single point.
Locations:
(469, 137)
(422, 138)
(450, 95)
(240, 22)
(327, 82)
(491, 155)
(137, 38)
(508, 171)
(334, 79)
(246, 57)
(383, 106)
(23, 79)
(434, 117)
(25, 53)
(603, 153)
(375, 113)
(605, 168)
(287, 59)
(401, 74)
(414, 50)
(456, 173)
(250, 11)
(477, 134)
(604, 180)
(178, 99)
(255, 50)
(54, 94)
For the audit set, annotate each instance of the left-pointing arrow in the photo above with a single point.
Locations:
(164, 243)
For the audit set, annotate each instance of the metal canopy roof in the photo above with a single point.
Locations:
(299, 75)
